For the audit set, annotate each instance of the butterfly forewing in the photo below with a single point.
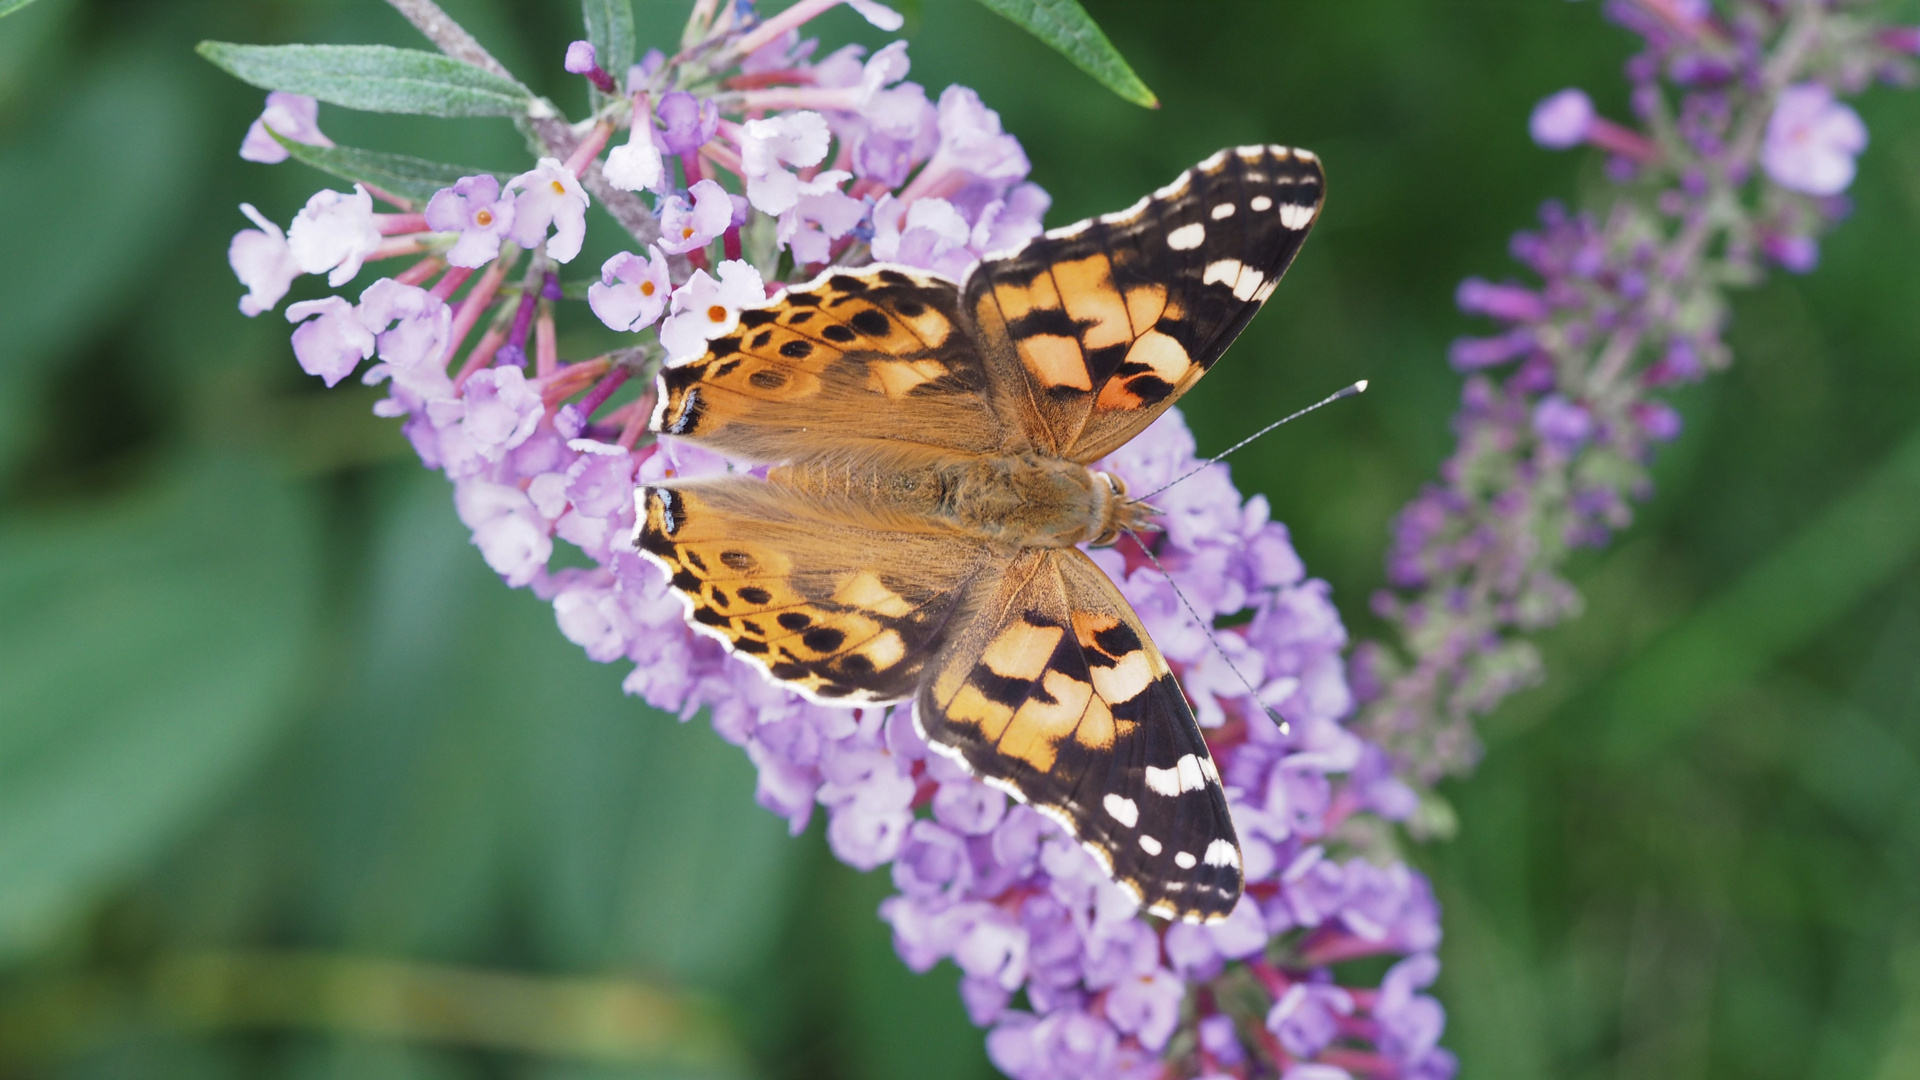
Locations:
(879, 354)
(1104, 324)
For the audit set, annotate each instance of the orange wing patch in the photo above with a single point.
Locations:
(1108, 321)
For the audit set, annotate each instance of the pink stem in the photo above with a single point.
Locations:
(724, 157)
(546, 344)
(455, 277)
(420, 271)
(1624, 142)
(388, 197)
(602, 392)
(481, 356)
(771, 30)
(400, 223)
(640, 413)
(589, 147)
(479, 298)
(398, 247)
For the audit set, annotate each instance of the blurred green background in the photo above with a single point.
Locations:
(290, 785)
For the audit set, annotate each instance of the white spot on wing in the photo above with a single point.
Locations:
(1296, 215)
(1207, 769)
(1177, 188)
(1183, 860)
(1065, 231)
(1304, 155)
(1149, 845)
(1191, 778)
(1122, 809)
(1224, 210)
(1221, 853)
(1213, 161)
(1251, 153)
(1261, 202)
(1163, 781)
(1242, 279)
(1187, 237)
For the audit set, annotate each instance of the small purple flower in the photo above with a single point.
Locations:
(548, 195)
(1796, 254)
(1472, 354)
(1307, 1017)
(927, 233)
(1658, 419)
(1812, 140)
(502, 410)
(510, 533)
(1562, 423)
(690, 122)
(1410, 1022)
(295, 117)
(334, 233)
(822, 215)
(263, 262)
(474, 208)
(413, 328)
(1562, 120)
(684, 228)
(767, 146)
(330, 340)
(631, 292)
(705, 308)
(1508, 303)
(1147, 1006)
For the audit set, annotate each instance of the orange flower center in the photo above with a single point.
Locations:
(559, 188)
(483, 219)
(685, 233)
(717, 313)
(646, 288)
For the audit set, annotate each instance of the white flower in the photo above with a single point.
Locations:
(1812, 141)
(704, 309)
(335, 232)
(549, 195)
(822, 215)
(635, 164)
(263, 262)
(766, 145)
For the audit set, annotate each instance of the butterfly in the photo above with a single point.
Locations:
(916, 539)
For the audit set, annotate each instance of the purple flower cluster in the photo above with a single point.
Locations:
(1739, 158)
(783, 160)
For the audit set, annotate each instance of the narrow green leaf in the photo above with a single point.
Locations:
(1066, 26)
(8, 7)
(375, 78)
(610, 29)
(408, 177)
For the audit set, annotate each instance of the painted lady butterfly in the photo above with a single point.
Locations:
(916, 540)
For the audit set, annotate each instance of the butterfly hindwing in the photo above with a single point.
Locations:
(1056, 694)
(877, 354)
(841, 613)
(1105, 323)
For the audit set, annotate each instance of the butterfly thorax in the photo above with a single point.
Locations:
(1026, 500)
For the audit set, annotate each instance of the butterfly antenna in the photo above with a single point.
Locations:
(1356, 388)
(1207, 629)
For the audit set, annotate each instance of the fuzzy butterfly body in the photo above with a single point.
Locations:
(916, 538)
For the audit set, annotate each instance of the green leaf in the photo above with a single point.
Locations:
(150, 650)
(408, 177)
(8, 7)
(610, 29)
(1066, 26)
(374, 78)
